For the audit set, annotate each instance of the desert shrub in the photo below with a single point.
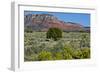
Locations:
(67, 52)
(82, 53)
(58, 47)
(77, 54)
(45, 55)
(28, 50)
(28, 58)
(85, 52)
(85, 41)
(54, 33)
(74, 44)
(28, 29)
(58, 56)
(32, 57)
(81, 31)
(67, 55)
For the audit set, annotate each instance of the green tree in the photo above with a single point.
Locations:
(54, 33)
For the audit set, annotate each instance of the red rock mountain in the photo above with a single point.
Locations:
(42, 22)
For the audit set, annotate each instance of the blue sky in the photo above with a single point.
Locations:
(81, 18)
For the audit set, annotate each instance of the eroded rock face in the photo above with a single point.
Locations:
(42, 22)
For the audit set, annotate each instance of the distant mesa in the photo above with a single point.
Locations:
(42, 22)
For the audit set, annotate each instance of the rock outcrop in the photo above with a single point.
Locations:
(42, 22)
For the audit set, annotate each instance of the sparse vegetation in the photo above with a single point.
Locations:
(71, 45)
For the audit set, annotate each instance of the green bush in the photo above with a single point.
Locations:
(54, 33)
(77, 54)
(85, 52)
(58, 56)
(67, 55)
(44, 55)
(28, 29)
(82, 53)
(67, 52)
